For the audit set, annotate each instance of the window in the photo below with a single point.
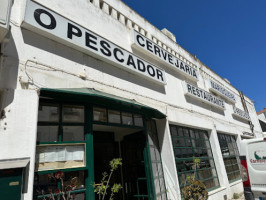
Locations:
(60, 123)
(72, 183)
(60, 146)
(157, 168)
(103, 115)
(189, 144)
(230, 156)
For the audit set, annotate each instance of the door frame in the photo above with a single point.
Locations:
(88, 133)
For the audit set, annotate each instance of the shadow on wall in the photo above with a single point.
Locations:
(8, 74)
(81, 58)
(204, 105)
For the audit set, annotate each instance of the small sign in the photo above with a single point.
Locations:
(160, 54)
(220, 90)
(14, 183)
(204, 96)
(259, 157)
(240, 113)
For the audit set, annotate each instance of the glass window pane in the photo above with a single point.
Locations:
(156, 160)
(73, 133)
(178, 153)
(48, 112)
(48, 183)
(155, 170)
(138, 120)
(47, 134)
(186, 133)
(160, 169)
(190, 144)
(45, 184)
(114, 116)
(231, 149)
(180, 131)
(162, 184)
(74, 180)
(230, 155)
(152, 151)
(173, 130)
(78, 196)
(99, 114)
(73, 113)
(127, 118)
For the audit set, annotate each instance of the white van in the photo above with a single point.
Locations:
(253, 168)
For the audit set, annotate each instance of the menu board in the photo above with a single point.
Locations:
(49, 157)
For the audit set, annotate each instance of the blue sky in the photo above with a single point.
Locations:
(229, 36)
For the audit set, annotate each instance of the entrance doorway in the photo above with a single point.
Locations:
(126, 143)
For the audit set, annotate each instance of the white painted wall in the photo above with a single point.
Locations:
(31, 61)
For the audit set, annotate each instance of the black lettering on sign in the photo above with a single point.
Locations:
(198, 93)
(130, 61)
(150, 70)
(37, 17)
(170, 59)
(105, 48)
(73, 30)
(159, 74)
(164, 53)
(194, 91)
(149, 46)
(189, 88)
(182, 66)
(116, 57)
(157, 50)
(187, 68)
(176, 64)
(195, 74)
(91, 39)
(138, 39)
(141, 66)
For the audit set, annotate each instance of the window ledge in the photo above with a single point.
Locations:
(236, 182)
(216, 190)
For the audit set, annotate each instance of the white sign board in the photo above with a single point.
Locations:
(160, 54)
(241, 114)
(59, 153)
(202, 95)
(46, 22)
(218, 89)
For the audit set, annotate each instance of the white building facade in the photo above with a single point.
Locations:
(86, 81)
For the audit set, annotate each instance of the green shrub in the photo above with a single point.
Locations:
(236, 196)
(196, 190)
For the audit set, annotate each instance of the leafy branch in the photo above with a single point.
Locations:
(101, 188)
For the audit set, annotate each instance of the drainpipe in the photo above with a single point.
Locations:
(246, 110)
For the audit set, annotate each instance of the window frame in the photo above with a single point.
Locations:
(60, 141)
(230, 157)
(186, 136)
(153, 145)
(121, 124)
